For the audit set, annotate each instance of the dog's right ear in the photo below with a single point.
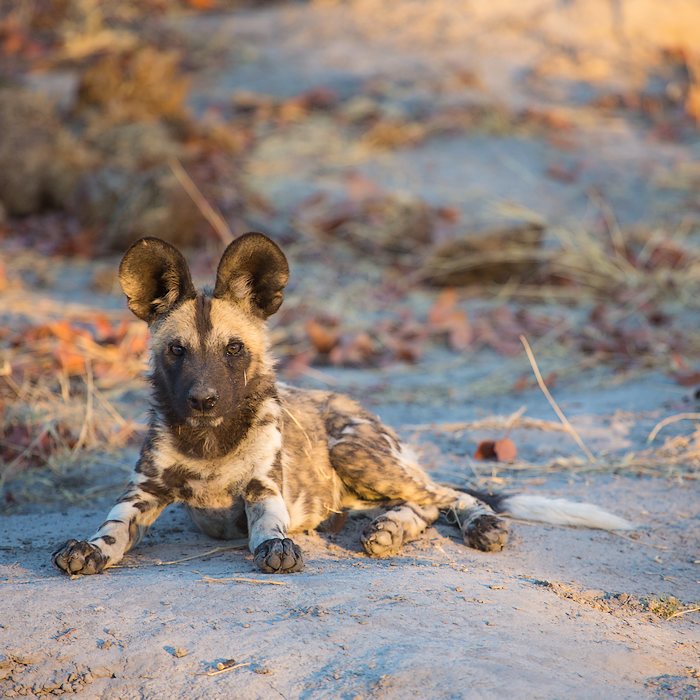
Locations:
(155, 278)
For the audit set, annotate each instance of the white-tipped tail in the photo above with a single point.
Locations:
(559, 511)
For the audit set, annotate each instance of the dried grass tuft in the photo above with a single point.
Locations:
(61, 382)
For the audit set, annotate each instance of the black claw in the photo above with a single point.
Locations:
(276, 556)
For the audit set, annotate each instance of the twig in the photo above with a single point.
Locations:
(319, 376)
(216, 550)
(65, 633)
(668, 421)
(513, 419)
(215, 219)
(611, 223)
(683, 612)
(238, 579)
(565, 421)
(226, 668)
(661, 547)
(453, 512)
(495, 423)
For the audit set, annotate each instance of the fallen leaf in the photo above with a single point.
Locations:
(445, 317)
(686, 378)
(354, 351)
(503, 450)
(322, 336)
(522, 383)
(485, 450)
(72, 363)
(442, 307)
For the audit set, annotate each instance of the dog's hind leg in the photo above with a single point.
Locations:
(385, 535)
(374, 465)
(481, 528)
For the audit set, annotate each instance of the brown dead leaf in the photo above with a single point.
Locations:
(485, 450)
(563, 172)
(323, 336)
(686, 378)
(66, 332)
(354, 351)
(443, 306)
(446, 318)
(666, 254)
(523, 382)
(503, 450)
(71, 362)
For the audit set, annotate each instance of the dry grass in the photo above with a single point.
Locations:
(677, 458)
(61, 382)
(575, 265)
(659, 264)
(666, 607)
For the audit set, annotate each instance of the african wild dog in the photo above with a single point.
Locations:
(248, 455)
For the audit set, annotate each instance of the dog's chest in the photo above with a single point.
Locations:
(207, 483)
(218, 489)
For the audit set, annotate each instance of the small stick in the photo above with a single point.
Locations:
(70, 630)
(565, 421)
(668, 421)
(513, 419)
(319, 376)
(226, 668)
(216, 221)
(210, 579)
(662, 547)
(616, 237)
(216, 550)
(683, 612)
(495, 423)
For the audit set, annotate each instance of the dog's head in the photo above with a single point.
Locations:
(210, 365)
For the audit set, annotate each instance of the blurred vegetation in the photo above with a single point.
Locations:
(102, 143)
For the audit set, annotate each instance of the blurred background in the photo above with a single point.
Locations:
(444, 175)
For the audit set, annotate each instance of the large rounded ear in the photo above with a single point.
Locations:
(253, 269)
(155, 278)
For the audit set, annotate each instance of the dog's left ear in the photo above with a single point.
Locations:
(253, 268)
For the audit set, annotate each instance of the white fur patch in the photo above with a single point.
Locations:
(272, 523)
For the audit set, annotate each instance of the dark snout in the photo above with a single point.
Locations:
(202, 398)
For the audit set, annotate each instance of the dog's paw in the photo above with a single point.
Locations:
(486, 532)
(76, 557)
(277, 556)
(383, 537)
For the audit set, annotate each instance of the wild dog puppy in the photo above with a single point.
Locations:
(249, 456)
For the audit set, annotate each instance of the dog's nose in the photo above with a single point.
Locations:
(203, 400)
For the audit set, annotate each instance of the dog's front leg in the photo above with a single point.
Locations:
(268, 522)
(123, 528)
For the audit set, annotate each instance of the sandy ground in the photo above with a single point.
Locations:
(561, 612)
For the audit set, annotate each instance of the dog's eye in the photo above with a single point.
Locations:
(176, 349)
(234, 348)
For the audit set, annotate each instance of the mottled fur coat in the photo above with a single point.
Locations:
(251, 457)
